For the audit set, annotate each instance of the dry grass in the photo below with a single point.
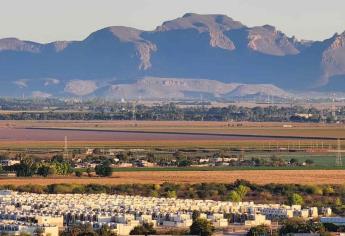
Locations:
(252, 128)
(156, 177)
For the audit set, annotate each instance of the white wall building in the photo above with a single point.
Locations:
(123, 213)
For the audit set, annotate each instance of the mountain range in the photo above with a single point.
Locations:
(210, 54)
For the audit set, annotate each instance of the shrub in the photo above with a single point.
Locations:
(299, 225)
(104, 170)
(145, 229)
(46, 170)
(171, 194)
(262, 230)
(234, 197)
(202, 227)
(295, 199)
(78, 173)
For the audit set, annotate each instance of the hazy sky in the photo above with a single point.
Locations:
(50, 20)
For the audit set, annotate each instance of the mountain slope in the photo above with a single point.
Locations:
(213, 47)
(333, 58)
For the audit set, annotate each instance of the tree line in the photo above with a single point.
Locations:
(174, 112)
(29, 167)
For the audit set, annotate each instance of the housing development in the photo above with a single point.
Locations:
(51, 213)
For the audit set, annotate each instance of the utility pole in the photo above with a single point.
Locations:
(65, 153)
(334, 114)
(202, 107)
(338, 160)
(134, 106)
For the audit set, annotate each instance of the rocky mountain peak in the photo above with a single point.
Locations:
(339, 41)
(125, 34)
(121, 34)
(59, 46)
(270, 28)
(14, 44)
(268, 40)
(214, 25)
(201, 23)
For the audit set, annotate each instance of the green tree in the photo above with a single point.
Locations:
(309, 162)
(315, 190)
(277, 161)
(178, 155)
(295, 199)
(260, 230)
(156, 187)
(195, 215)
(105, 231)
(154, 193)
(46, 170)
(26, 168)
(39, 232)
(328, 190)
(62, 168)
(202, 227)
(299, 225)
(79, 230)
(242, 191)
(78, 173)
(171, 194)
(338, 202)
(123, 157)
(239, 193)
(144, 229)
(104, 170)
(184, 163)
(89, 172)
(333, 228)
(234, 197)
(58, 158)
(294, 161)
(151, 157)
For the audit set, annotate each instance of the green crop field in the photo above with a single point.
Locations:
(319, 159)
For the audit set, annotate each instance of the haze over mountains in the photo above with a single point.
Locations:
(212, 55)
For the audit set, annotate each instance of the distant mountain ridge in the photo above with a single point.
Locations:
(203, 47)
(172, 88)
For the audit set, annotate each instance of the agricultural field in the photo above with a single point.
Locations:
(316, 142)
(158, 177)
(246, 128)
(170, 133)
(321, 160)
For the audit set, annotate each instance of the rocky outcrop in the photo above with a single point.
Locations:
(268, 40)
(13, 44)
(333, 58)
